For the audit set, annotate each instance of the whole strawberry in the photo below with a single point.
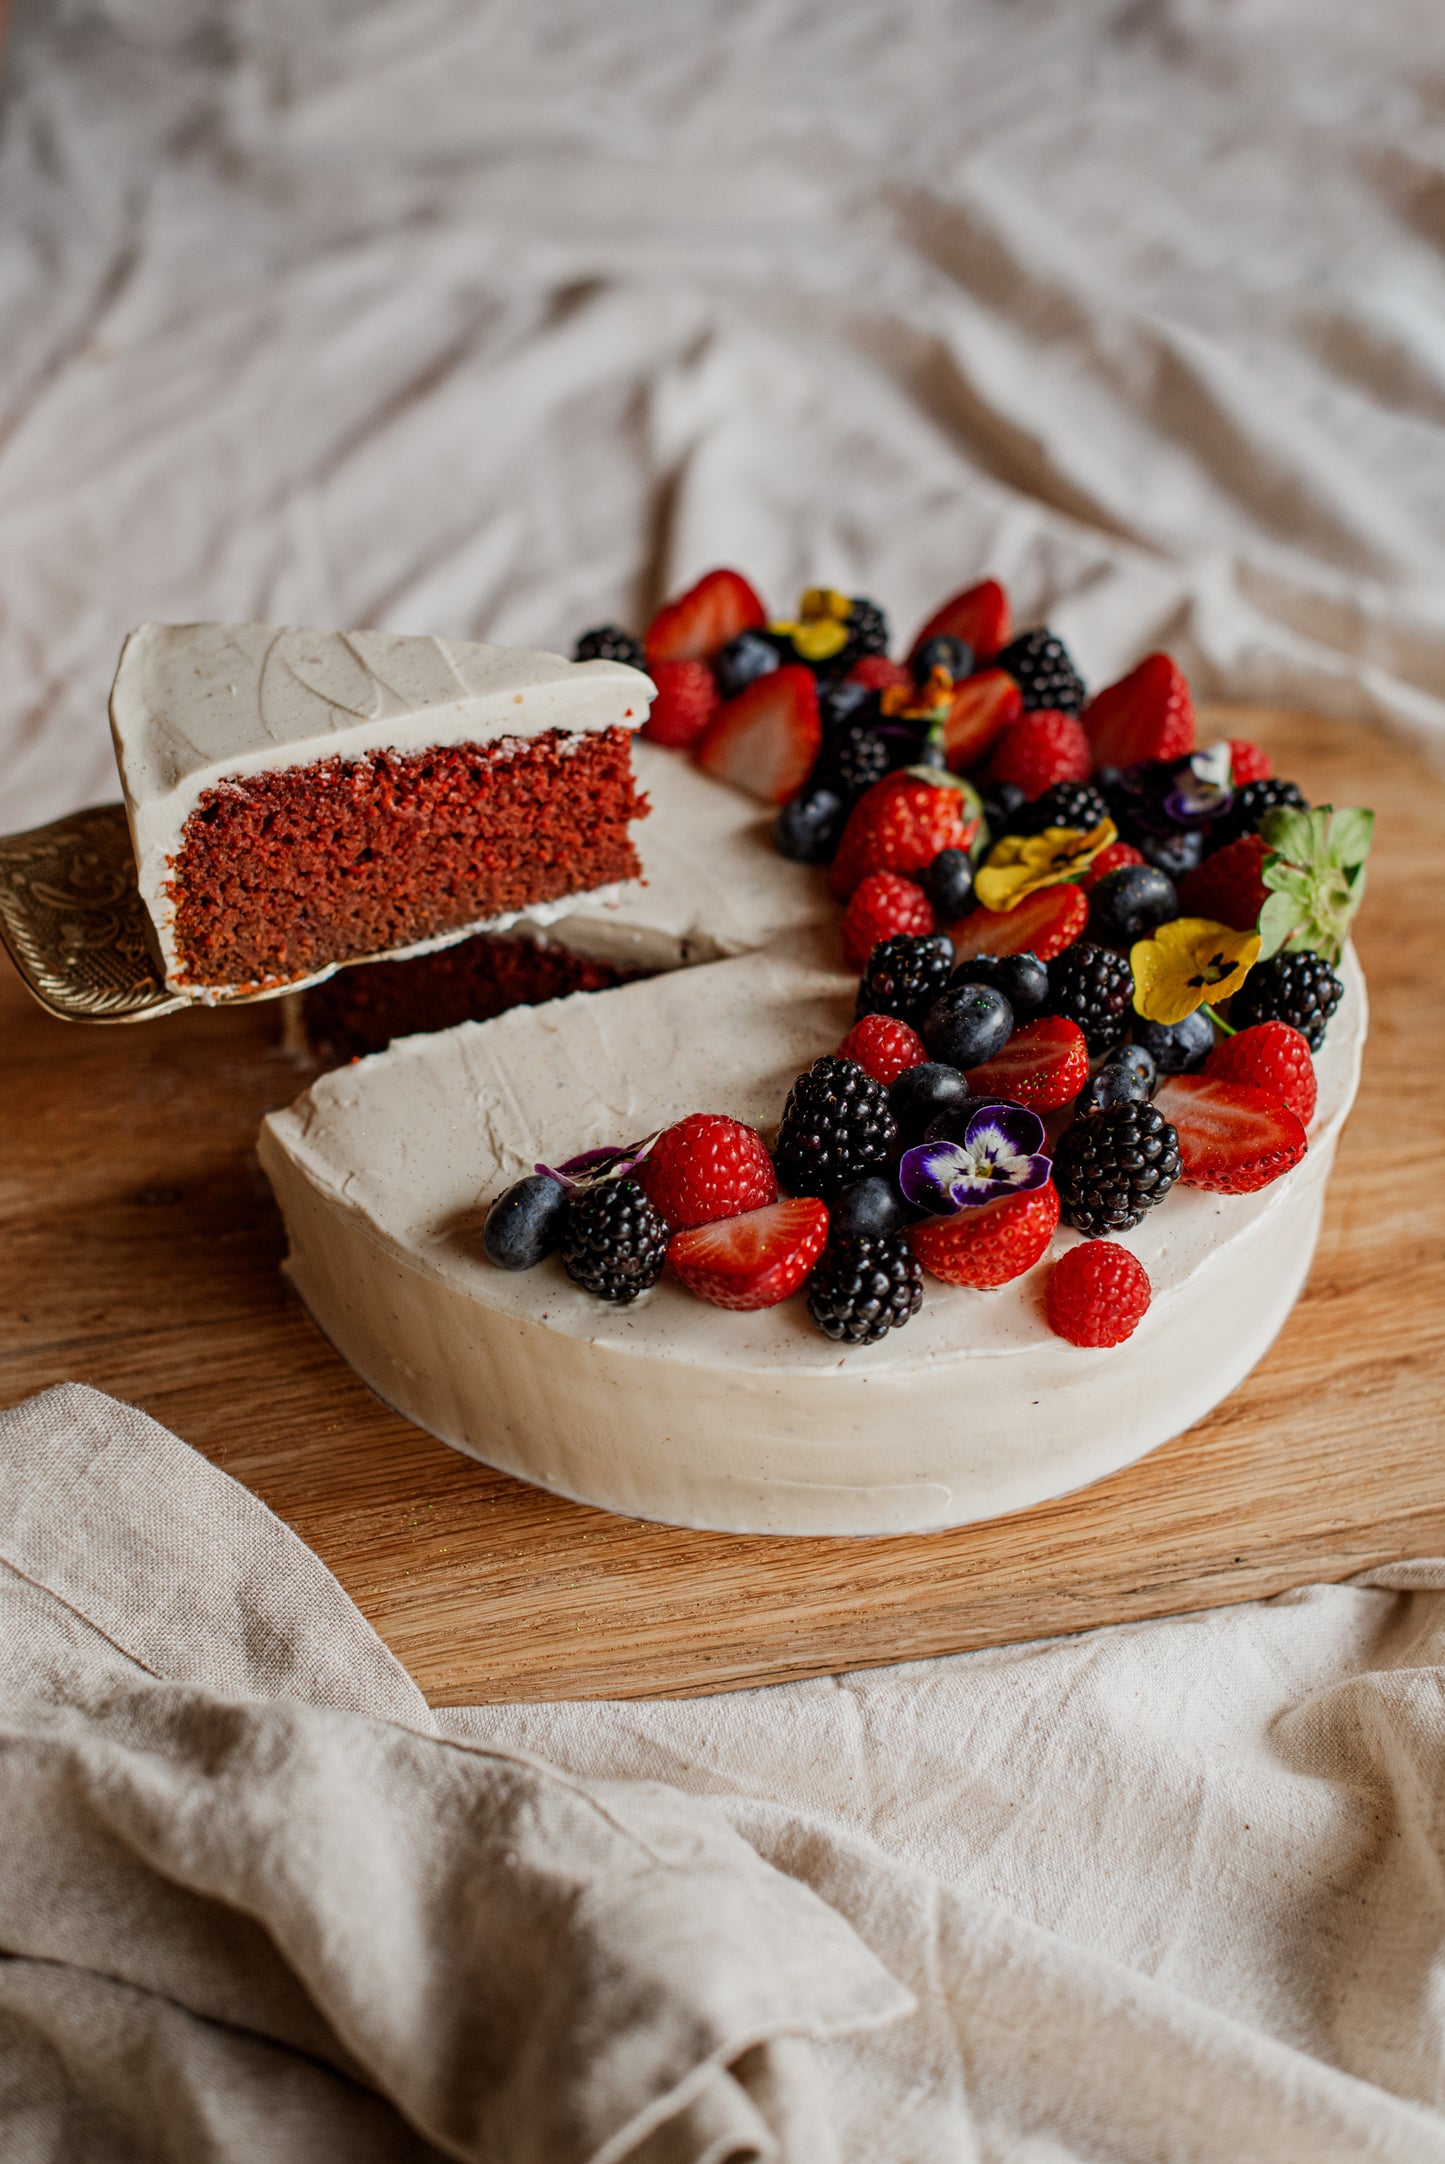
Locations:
(883, 1047)
(877, 673)
(1228, 887)
(1040, 749)
(687, 698)
(1271, 1057)
(1098, 1294)
(900, 825)
(1248, 763)
(705, 1168)
(883, 904)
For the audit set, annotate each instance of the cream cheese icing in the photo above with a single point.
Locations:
(196, 704)
(676, 1410)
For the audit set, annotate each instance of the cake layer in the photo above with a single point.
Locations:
(753, 1423)
(200, 708)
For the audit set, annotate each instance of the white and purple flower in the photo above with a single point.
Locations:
(1202, 786)
(612, 1161)
(1000, 1154)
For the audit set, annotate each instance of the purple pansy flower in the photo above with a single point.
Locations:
(999, 1155)
(1202, 787)
(609, 1162)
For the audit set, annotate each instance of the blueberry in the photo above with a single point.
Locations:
(1130, 904)
(1178, 1047)
(1022, 978)
(842, 702)
(943, 652)
(1174, 854)
(743, 660)
(948, 883)
(920, 1094)
(808, 826)
(871, 1205)
(1114, 1084)
(525, 1224)
(952, 1125)
(1141, 1059)
(968, 1025)
(999, 805)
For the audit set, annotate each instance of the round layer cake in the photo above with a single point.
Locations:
(676, 1410)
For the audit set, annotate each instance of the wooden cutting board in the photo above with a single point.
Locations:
(139, 1250)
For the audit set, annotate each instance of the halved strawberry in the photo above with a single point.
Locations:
(1228, 887)
(766, 739)
(984, 705)
(1045, 1064)
(1043, 924)
(755, 1260)
(901, 823)
(697, 623)
(1232, 1139)
(1148, 714)
(979, 614)
(991, 1243)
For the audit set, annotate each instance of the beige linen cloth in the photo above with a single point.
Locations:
(1173, 1892)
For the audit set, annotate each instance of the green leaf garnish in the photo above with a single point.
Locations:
(1315, 872)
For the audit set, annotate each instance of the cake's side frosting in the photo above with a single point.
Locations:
(677, 1410)
(197, 706)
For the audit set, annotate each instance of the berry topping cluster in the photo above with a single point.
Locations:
(1094, 963)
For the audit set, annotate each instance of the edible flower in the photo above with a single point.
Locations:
(931, 701)
(1000, 1154)
(611, 1161)
(820, 629)
(1203, 786)
(1187, 962)
(1315, 872)
(1019, 864)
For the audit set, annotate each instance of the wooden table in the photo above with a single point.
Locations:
(139, 1250)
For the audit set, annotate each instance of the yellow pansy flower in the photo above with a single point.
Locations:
(1020, 864)
(826, 601)
(1187, 962)
(814, 638)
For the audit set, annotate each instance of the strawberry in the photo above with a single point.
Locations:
(1232, 1139)
(983, 707)
(883, 904)
(755, 1260)
(900, 824)
(978, 615)
(990, 1243)
(697, 623)
(687, 699)
(766, 739)
(1228, 887)
(1148, 714)
(1040, 749)
(1247, 762)
(883, 1047)
(1271, 1057)
(1112, 859)
(1045, 1064)
(1043, 923)
(878, 673)
(705, 1167)
(1098, 1294)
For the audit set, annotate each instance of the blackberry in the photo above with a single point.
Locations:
(1039, 664)
(1112, 1165)
(836, 1127)
(1250, 805)
(1300, 989)
(864, 1287)
(1067, 804)
(905, 975)
(1092, 986)
(609, 642)
(615, 1244)
(867, 630)
(857, 757)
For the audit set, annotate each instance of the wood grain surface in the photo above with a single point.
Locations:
(139, 1250)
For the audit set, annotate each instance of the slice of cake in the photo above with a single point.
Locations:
(301, 799)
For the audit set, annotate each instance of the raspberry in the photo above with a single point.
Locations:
(1112, 859)
(1098, 1294)
(1248, 763)
(707, 1167)
(1228, 887)
(878, 673)
(687, 698)
(883, 1047)
(883, 905)
(1040, 749)
(1271, 1057)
